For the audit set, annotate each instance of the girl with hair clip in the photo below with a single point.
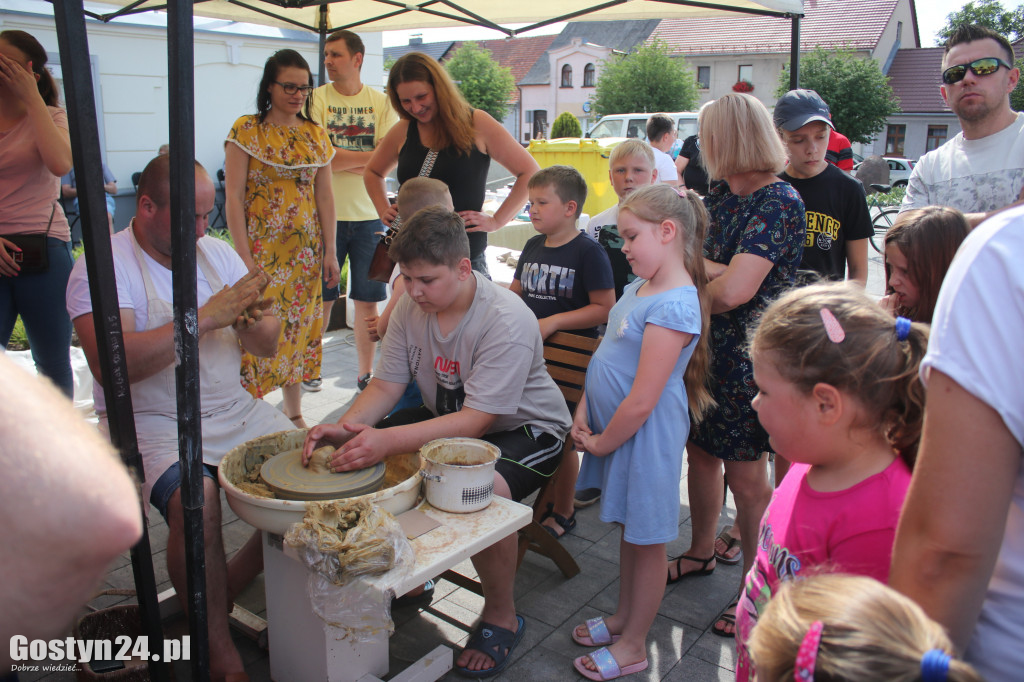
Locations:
(848, 628)
(918, 250)
(632, 420)
(840, 398)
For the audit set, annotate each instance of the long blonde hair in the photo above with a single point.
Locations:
(869, 632)
(655, 203)
(454, 126)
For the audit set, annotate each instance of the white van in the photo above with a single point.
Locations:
(635, 125)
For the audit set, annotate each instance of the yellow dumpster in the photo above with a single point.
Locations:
(589, 157)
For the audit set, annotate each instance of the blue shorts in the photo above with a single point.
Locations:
(357, 240)
(170, 481)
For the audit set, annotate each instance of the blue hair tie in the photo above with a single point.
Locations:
(902, 328)
(934, 664)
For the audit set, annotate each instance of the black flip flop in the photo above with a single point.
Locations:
(730, 542)
(729, 618)
(496, 642)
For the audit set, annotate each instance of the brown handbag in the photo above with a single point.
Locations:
(381, 266)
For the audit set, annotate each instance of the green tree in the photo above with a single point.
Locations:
(989, 13)
(484, 82)
(856, 90)
(648, 80)
(1017, 96)
(566, 125)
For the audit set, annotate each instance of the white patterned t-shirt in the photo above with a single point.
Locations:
(973, 176)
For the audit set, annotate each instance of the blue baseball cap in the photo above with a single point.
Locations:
(797, 108)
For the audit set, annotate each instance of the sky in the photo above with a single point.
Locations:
(436, 35)
(931, 16)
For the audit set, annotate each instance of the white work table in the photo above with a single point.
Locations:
(302, 646)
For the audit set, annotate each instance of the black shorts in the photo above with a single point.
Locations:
(528, 457)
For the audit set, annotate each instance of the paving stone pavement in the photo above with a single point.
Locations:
(681, 646)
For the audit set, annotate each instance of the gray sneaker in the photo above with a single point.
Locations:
(313, 385)
(586, 497)
(363, 381)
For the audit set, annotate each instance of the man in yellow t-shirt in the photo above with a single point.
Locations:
(356, 117)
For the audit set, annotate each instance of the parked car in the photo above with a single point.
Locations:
(635, 125)
(899, 170)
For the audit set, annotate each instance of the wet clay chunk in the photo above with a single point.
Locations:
(320, 460)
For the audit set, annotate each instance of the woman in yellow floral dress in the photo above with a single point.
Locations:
(280, 212)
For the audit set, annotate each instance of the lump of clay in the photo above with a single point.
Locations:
(320, 460)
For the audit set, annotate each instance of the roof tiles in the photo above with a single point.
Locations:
(832, 24)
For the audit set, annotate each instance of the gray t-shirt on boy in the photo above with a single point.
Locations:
(493, 361)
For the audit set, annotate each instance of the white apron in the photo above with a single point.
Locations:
(229, 414)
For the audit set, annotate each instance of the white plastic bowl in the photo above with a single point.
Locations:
(276, 516)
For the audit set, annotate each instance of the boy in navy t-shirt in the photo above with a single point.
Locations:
(565, 278)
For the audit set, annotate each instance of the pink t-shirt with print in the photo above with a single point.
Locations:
(805, 531)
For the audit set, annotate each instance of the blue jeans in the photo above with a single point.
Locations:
(39, 299)
(169, 482)
(357, 239)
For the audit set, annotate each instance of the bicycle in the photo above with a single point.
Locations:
(883, 220)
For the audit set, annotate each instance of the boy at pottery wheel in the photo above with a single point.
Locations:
(475, 351)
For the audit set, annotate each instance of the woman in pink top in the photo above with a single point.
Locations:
(35, 151)
(839, 395)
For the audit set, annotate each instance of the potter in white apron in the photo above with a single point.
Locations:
(229, 415)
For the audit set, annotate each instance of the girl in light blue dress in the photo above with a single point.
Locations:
(632, 423)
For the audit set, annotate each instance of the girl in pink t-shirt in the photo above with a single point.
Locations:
(840, 398)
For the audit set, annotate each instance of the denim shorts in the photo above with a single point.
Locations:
(357, 239)
(170, 481)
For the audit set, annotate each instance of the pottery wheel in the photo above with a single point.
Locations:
(285, 475)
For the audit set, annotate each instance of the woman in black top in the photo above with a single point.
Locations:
(434, 115)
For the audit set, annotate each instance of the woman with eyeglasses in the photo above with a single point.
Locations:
(35, 240)
(280, 212)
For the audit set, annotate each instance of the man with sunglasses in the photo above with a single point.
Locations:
(357, 118)
(980, 170)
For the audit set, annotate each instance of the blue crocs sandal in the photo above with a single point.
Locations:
(496, 642)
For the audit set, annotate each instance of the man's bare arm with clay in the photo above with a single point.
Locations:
(240, 306)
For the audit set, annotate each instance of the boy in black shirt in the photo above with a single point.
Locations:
(838, 221)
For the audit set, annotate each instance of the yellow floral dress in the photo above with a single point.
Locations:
(285, 239)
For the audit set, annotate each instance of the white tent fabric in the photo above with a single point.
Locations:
(389, 15)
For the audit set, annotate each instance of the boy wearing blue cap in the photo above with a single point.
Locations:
(838, 221)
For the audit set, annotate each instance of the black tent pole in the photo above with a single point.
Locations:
(69, 19)
(322, 32)
(794, 54)
(181, 103)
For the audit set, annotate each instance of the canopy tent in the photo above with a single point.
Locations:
(390, 15)
(322, 17)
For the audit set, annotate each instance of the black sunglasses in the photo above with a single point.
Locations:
(979, 67)
(292, 88)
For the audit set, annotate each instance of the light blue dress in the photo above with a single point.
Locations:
(640, 480)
